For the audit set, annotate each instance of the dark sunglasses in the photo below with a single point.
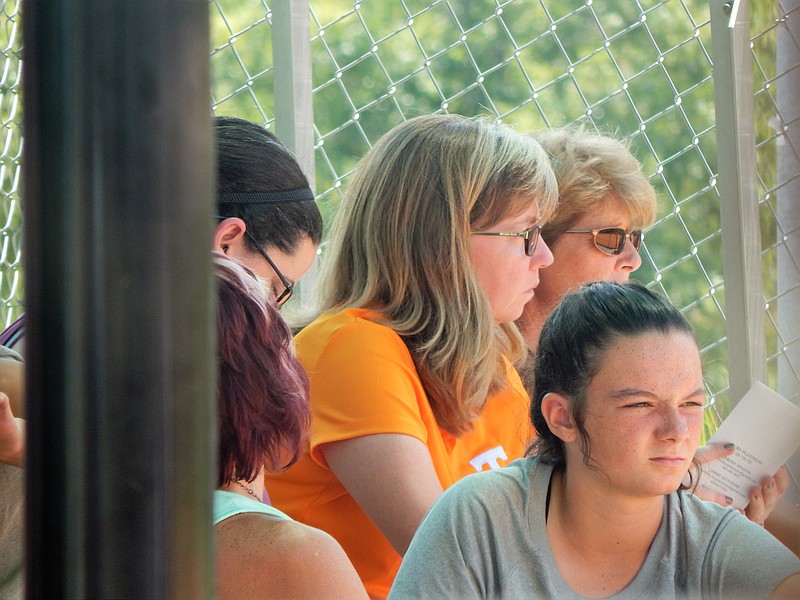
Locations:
(530, 235)
(611, 240)
(288, 286)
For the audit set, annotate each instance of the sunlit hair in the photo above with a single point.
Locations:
(262, 389)
(399, 246)
(573, 341)
(592, 170)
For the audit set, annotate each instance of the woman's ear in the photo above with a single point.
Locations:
(557, 411)
(229, 234)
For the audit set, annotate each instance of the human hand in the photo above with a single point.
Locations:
(763, 499)
(12, 434)
(703, 455)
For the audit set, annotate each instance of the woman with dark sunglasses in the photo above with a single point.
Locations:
(432, 255)
(605, 202)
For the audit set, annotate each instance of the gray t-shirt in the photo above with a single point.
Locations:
(12, 486)
(12, 499)
(486, 538)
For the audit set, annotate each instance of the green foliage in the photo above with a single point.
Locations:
(637, 70)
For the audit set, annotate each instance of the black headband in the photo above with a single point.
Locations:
(278, 196)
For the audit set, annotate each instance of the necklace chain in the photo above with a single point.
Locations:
(247, 489)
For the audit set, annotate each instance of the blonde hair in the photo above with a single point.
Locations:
(591, 170)
(399, 246)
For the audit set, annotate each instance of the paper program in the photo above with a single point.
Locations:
(765, 427)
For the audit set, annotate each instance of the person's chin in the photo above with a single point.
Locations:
(509, 316)
(527, 296)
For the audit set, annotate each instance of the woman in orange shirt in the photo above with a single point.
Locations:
(432, 255)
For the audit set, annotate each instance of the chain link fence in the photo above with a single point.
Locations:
(776, 73)
(11, 290)
(638, 69)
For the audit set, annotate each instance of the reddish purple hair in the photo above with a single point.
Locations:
(262, 389)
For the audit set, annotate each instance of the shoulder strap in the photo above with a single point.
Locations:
(12, 334)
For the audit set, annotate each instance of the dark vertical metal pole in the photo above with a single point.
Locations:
(118, 199)
(55, 202)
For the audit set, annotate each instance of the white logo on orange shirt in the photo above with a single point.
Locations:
(489, 458)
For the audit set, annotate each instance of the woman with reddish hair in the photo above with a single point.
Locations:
(263, 414)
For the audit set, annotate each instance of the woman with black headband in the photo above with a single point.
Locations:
(268, 221)
(268, 218)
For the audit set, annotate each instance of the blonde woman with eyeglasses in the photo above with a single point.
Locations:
(432, 255)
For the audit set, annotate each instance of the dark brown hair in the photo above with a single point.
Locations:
(251, 159)
(574, 339)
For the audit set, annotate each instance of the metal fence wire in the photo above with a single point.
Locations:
(641, 70)
(637, 69)
(11, 291)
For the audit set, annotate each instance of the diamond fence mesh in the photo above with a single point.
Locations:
(11, 291)
(639, 69)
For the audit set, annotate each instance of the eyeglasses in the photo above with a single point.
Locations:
(530, 235)
(611, 240)
(288, 286)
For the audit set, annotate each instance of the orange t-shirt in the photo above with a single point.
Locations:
(363, 382)
(501, 434)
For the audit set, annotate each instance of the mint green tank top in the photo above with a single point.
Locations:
(229, 504)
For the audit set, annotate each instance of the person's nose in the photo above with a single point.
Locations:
(673, 424)
(542, 256)
(629, 259)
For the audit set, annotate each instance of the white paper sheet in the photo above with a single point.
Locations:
(765, 427)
